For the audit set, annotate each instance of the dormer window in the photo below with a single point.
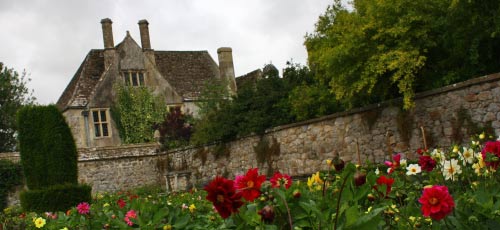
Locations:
(133, 78)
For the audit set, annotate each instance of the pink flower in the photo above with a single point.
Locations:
(130, 215)
(83, 208)
(396, 160)
(281, 179)
(436, 202)
(249, 184)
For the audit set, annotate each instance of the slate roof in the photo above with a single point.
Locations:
(186, 71)
(83, 82)
(249, 78)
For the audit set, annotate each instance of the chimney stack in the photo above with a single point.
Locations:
(107, 33)
(144, 29)
(226, 67)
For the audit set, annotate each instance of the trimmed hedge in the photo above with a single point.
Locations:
(10, 176)
(48, 151)
(55, 198)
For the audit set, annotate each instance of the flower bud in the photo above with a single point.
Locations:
(359, 178)
(371, 197)
(267, 214)
(296, 193)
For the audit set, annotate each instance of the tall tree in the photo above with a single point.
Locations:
(385, 49)
(13, 95)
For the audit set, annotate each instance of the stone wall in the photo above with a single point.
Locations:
(444, 114)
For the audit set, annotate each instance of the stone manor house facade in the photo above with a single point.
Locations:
(177, 76)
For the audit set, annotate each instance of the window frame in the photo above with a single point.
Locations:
(134, 76)
(100, 123)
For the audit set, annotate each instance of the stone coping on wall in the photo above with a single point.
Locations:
(397, 101)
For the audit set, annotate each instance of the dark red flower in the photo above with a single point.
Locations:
(249, 184)
(338, 164)
(426, 163)
(279, 179)
(223, 195)
(436, 202)
(493, 148)
(387, 181)
(359, 178)
(267, 214)
(121, 203)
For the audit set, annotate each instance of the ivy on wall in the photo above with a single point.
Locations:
(10, 176)
(135, 112)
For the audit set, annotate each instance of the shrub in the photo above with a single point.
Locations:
(48, 151)
(55, 198)
(10, 176)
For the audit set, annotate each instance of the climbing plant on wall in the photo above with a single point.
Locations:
(135, 112)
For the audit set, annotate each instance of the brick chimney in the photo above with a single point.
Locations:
(107, 33)
(144, 29)
(226, 67)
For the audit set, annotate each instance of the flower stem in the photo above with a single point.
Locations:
(287, 210)
(338, 201)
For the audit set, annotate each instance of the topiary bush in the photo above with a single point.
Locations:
(55, 198)
(48, 151)
(48, 157)
(10, 176)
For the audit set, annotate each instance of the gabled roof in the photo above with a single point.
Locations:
(187, 71)
(83, 82)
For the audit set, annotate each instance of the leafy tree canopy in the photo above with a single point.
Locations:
(13, 95)
(379, 50)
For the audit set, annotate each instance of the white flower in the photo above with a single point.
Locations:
(402, 163)
(438, 156)
(377, 171)
(467, 155)
(413, 169)
(451, 169)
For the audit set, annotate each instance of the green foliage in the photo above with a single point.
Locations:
(265, 152)
(135, 112)
(13, 94)
(48, 151)
(10, 176)
(55, 198)
(386, 49)
(255, 108)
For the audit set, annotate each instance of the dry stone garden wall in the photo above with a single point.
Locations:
(446, 116)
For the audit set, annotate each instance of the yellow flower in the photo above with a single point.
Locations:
(314, 181)
(99, 196)
(105, 205)
(65, 228)
(481, 136)
(39, 222)
(329, 162)
(167, 227)
(412, 218)
(455, 149)
(192, 208)
(479, 165)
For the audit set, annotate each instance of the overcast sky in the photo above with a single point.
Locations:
(50, 38)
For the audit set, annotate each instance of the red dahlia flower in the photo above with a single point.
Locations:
(121, 203)
(426, 163)
(281, 179)
(387, 181)
(222, 194)
(492, 147)
(436, 202)
(249, 184)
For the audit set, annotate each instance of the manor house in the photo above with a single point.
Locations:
(176, 76)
